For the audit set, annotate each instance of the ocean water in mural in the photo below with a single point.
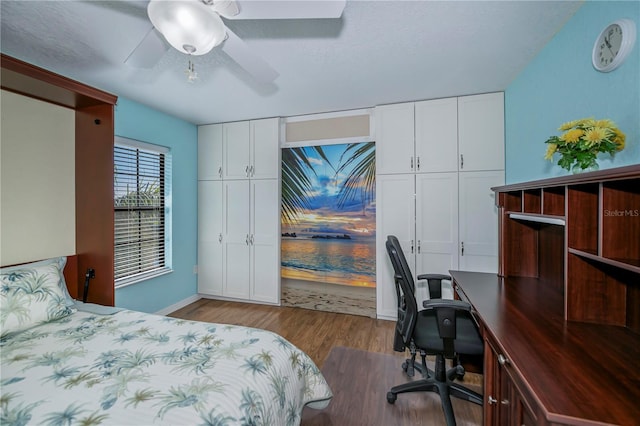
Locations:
(328, 219)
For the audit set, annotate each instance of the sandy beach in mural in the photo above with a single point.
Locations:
(329, 297)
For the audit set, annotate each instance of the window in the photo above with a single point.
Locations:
(142, 187)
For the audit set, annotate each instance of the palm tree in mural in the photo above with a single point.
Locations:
(362, 178)
(295, 182)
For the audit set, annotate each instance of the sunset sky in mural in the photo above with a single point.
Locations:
(324, 216)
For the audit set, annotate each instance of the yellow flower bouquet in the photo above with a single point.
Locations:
(581, 142)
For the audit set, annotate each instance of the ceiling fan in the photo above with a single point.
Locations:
(194, 27)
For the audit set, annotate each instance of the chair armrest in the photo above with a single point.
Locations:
(459, 305)
(433, 277)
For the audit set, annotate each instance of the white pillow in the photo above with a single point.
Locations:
(31, 296)
(60, 262)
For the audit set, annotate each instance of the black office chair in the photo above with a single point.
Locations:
(444, 328)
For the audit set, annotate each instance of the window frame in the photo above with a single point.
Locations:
(165, 175)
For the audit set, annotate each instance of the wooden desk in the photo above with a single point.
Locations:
(554, 371)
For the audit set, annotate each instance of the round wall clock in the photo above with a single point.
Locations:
(613, 45)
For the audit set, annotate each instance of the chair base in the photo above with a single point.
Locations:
(441, 382)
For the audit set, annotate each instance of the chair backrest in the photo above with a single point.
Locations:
(407, 306)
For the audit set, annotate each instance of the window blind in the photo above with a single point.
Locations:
(140, 189)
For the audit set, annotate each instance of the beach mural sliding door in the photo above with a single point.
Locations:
(328, 228)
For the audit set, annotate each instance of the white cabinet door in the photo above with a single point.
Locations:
(236, 236)
(436, 228)
(437, 135)
(210, 152)
(478, 221)
(395, 137)
(481, 132)
(236, 137)
(395, 215)
(210, 228)
(265, 148)
(265, 241)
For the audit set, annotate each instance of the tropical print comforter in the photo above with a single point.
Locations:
(142, 369)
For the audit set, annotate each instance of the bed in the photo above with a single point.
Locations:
(65, 362)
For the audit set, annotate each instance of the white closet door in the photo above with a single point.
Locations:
(395, 137)
(265, 148)
(481, 132)
(265, 241)
(395, 215)
(479, 221)
(236, 239)
(210, 152)
(437, 135)
(210, 228)
(236, 150)
(436, 228)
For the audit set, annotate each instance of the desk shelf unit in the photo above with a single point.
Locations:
(579, 234)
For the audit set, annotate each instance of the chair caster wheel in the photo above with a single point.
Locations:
(460, 372)
(391, 397)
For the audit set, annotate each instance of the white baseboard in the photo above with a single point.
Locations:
(180, 304)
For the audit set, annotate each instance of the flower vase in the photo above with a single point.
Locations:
(590, 168)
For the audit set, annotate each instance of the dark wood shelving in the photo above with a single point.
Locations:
(582, 216)
(512, 201)
(553, 201)
(532, 201)
(594, 259)
(568, 282)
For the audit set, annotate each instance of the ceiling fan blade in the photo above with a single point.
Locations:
(149, 51)
(301, 9)
(238, 50)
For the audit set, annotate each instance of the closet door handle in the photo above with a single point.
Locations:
(251, 239)
(411, 246)
(246, 171)
(246, 240)
(412, 162)
(461, 161)
(252, 170)
(418, 163)
(462, 248)
(220, 171)
(418, 246)
(220, 237)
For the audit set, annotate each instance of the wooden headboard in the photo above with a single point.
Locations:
(71, 276)
(94, 135)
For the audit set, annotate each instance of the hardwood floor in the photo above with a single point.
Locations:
(314, 332)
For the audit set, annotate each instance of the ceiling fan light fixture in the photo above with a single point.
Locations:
(189, 26)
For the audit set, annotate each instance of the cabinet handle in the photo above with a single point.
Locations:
(411, 246)
(504, 402)
(246, 171)
(491, 400)
(220, 171)
(462, 248)
(252, 170)
(502, 360)
(251, 239)
(220, 237)
(411, 162)
(246, 240)
(461, 161)
(418, 163)
(418, 246)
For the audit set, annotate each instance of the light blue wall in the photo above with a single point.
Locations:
(136, 121)
(561, 85)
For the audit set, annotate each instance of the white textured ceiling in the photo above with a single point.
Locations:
(379, 52)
